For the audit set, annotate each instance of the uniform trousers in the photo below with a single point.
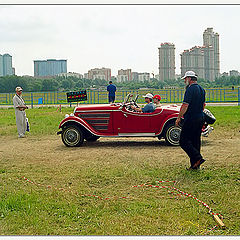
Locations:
(190, 138)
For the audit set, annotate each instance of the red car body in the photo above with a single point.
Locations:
(118, 120)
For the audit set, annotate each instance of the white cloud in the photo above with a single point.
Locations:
(113, 36)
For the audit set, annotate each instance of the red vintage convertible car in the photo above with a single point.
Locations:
(90, 122)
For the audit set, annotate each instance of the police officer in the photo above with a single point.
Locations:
(192, 111)
(20, 107)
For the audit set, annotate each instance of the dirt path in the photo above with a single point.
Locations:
(219, 149)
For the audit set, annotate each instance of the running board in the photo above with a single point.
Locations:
(136, 135)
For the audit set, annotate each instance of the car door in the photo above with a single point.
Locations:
(133, 122)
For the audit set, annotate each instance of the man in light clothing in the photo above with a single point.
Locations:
(20, 107)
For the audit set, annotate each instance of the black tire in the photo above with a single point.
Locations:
(72, 136)
(172, 135)
(92, 138)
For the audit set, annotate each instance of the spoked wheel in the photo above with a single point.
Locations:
(72, 136)
(172, 135)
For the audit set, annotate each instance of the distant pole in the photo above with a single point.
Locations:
(31, 100)
(239, 96)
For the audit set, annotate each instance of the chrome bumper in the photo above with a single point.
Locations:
(206, 131)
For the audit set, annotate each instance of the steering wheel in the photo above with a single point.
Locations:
(124, 104)
(135, 101)
(128, 103)
(129, 108)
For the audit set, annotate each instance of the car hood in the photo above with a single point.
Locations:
(96, 107)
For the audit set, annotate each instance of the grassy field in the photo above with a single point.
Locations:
(109, 168)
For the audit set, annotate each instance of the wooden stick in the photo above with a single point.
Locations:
(219, 221)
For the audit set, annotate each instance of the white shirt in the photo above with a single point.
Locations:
(18, 101)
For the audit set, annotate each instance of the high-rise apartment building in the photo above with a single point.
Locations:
(211, 40)
(193, 60)
(210, 73)
(6, 68)
(49, 67)
(166, 61)
(203, 60)
(100, 73)
(124, 75)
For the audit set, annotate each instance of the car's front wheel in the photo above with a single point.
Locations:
(72, 136)
(172, 134)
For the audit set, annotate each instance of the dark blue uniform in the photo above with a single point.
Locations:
(111, 88)
(190, 139)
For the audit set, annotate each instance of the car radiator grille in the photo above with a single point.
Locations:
(99, 121)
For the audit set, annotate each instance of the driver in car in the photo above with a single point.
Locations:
(149, 107)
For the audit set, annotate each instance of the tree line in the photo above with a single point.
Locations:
(30, 84)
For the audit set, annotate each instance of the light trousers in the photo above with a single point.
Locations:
(21, 122)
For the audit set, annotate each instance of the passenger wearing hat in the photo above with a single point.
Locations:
(20, 107)
(149, 107)
(156, 100)
(192, 111)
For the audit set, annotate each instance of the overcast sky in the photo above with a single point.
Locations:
(113, 36)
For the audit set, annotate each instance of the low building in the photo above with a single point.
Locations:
(224, 74)
(124, 75)
(135, 76)
(70, 74)
(143, 77)
(100, 73)
(233, 73)
(157, 76)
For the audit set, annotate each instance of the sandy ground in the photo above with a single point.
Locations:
(49, 151)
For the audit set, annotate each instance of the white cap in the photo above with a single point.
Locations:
(18, 89)
(148, 95)
(189, 74)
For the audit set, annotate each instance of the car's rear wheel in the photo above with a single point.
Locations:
(92, 138)
(172, 135)
(72, 136)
